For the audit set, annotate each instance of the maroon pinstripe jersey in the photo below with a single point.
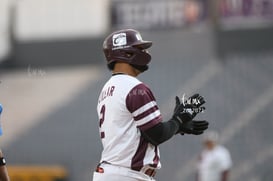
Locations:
(125, 107)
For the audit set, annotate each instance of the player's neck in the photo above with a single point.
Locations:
(124, 68)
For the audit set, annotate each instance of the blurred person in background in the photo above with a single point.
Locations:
(3, 169)
(214, 162)
(192, 12)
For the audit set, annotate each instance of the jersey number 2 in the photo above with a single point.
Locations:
(102, 117)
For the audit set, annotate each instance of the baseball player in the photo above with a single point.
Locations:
(130, 122)
(3, 169)
(214, 162)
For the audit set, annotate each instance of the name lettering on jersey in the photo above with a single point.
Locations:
(106, 93)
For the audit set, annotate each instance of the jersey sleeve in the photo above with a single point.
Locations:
(142, 104)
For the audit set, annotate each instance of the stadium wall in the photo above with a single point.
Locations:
(50, 32)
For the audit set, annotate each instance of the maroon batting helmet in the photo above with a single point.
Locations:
(126, 46)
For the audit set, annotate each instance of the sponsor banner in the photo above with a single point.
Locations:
(157, 14)
(153, 14)
(246, 13)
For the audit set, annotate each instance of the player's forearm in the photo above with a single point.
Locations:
(161, 132)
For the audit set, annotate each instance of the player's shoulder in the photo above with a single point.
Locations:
(123, 84)
(140, 92)
(141, 86)
(222, 150)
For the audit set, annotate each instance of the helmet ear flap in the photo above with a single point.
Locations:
(141, 68)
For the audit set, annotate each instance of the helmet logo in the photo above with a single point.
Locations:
(119, 39)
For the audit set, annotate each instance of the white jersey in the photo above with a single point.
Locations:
(213, 163)
(125, 107)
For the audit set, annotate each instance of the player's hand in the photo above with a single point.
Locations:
(192, 106)
(185, 112)
(196, 101)
(195, 127)
(181, 115)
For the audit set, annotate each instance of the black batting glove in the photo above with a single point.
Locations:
(195, 127)
(192, 105)
(185, 112)
(181, 113)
